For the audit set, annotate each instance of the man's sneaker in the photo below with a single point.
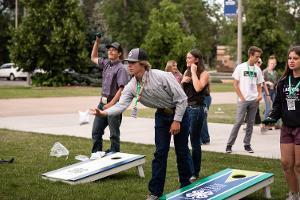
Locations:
(294, 196)
(193, 179)
(152, 197)
(248, 148)
(228, 149)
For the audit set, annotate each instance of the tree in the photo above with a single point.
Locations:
(262, 28)
(165, 39)
(198, 21)
(127, 21)
(50, 37)
(6, 16)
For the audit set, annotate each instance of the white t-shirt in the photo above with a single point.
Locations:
(248, 84)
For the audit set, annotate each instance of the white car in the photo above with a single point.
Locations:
(11, 72)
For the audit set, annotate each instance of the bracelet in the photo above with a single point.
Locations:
(268, 95)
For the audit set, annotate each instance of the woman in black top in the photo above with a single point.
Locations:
(287, 107)
(195, 85)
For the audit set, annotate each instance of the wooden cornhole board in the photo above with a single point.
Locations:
(91, 170)
(227, 184)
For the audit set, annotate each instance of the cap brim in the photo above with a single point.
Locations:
(108, 46)
(131, 60)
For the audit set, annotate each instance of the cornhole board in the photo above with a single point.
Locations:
(227, 184)
(91, 170)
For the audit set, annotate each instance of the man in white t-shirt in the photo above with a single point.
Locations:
(247, 83)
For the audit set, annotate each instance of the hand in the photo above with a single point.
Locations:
(97, 112)
(259, 98)
(270, 83)
(175, 128)
(269, 100)
(242, 99)
(193, 68)
(269, 121)
(186, 79)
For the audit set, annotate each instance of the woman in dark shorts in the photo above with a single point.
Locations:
(287, 107)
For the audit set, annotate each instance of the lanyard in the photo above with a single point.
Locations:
(251, 72)
(292, 90)
(138, 90)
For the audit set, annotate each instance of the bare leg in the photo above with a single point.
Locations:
(288, 164)
(297, 162)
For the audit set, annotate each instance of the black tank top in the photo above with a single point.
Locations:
(194, 96)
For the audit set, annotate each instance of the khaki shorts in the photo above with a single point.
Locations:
(290, 135)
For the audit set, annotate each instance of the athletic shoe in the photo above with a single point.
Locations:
(152, 197)
(294, 196)
(248, 149)
(193, 179)
(228, 149)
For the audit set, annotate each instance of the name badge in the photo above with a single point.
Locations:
(134, 112)
(291, 104)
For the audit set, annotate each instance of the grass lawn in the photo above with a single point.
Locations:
(9, 92)
(221, 87)
(22, 179)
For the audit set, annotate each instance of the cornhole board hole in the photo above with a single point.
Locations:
(227, 184)
(91, 170)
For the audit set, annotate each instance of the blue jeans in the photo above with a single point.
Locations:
(162, 142)
(267, 103)
(100, 123)
(196, 119)
(205, 135)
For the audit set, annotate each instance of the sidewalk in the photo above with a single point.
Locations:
(59, 116)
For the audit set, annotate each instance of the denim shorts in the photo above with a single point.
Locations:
(290, 135)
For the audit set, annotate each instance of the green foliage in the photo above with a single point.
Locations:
(6, 18)
(197, 21)
(165, 39)
(50, 37)
(263, 29)
(127, 20)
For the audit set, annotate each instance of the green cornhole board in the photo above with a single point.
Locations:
(227, 184)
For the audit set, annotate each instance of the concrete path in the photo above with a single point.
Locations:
(60, 116)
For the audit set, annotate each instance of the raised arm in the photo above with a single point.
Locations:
(94, 54)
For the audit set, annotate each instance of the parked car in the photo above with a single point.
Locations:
(11, 72)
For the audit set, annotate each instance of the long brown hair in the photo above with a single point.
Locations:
(287, 70)
(200, 64)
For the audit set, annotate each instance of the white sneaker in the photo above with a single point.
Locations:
(294, 196)
(96, 155)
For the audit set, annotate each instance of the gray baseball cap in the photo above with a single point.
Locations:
(137, 54)
(115, 45)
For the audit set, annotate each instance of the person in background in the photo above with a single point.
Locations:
(286, 106)
(195, 83)
(205, 138)
(157, 89)
(247, 83)
(258, 120)
(114, 78)
(271, 79)
(172, 67)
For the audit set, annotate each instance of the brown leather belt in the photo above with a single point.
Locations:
(166, 111)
